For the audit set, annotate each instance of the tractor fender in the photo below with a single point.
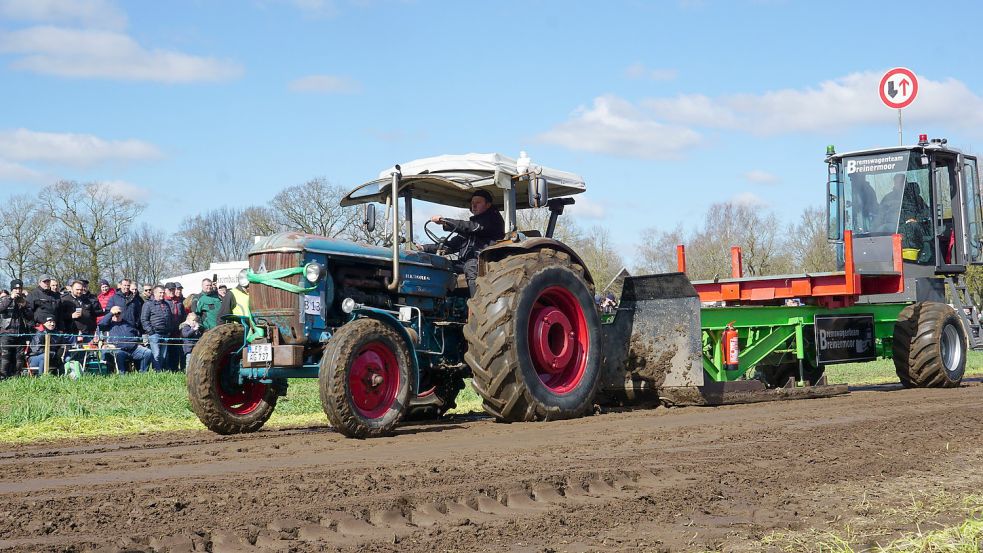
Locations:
(393, 322)
(506, 248)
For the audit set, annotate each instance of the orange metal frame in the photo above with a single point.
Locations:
(839, 289)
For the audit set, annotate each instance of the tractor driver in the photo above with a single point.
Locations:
(484, 227)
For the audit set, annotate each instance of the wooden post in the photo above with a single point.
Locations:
(47, 352)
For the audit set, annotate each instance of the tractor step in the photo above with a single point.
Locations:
(746, 391)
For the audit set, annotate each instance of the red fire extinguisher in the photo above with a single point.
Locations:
(730, 348)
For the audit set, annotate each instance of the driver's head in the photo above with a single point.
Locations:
(481, 201)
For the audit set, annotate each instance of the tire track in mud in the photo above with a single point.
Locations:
(679, 479)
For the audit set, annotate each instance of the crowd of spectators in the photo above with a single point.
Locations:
(128, 325)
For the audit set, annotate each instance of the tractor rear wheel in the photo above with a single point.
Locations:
(365, 379)
(534, 338)
(222, 402)
(929, 346)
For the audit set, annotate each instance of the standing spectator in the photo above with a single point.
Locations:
(43, 301)
(158, 322)
(190, 331)
(130, 302)
(172, 294)
(56, 357)
(236, 302)
(56, 287)
(126, 338)
(14, 324)
(79, 313)
(208, 305)
(222, 290)
(147, 292)
(106, 292)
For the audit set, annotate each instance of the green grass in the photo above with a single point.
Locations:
(50, 408)
(965, 537)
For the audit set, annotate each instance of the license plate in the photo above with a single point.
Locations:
(312, 305)
(259, 353)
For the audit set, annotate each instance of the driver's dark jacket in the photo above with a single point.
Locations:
(475, 234)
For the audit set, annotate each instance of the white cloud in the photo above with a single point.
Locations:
(585, 208)
(14, 172)
(329, 84)
(832, 105)
(88, 13)
(757, 176)
(70, 148)
(749, 199)
(106, 54)
(640, 71)
(617, 127)
(126, 190)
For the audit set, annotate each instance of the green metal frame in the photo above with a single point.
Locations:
(764, 330)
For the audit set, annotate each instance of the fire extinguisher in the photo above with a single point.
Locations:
(730, 347)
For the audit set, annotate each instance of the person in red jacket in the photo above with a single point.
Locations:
(106, 292)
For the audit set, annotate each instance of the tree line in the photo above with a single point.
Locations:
(92, 230)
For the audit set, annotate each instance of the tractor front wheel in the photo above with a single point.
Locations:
(929, 346)
(222, 402)
(534, 338)
(365, 379)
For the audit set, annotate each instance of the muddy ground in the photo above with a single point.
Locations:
(682, 479)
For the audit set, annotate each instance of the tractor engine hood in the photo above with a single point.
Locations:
(335, 248)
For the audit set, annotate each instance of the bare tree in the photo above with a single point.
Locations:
(148, 255)
(756, 232)
(657, 252)
(809, 244)
(24, 226)
(96, 217)
(599, 253)
(221, 234)
(313, 208)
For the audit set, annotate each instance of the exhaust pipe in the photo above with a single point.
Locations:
(394, 195)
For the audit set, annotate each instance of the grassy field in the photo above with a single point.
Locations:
(51, 408)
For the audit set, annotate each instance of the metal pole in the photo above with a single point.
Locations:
(900, 135)
(47, 352)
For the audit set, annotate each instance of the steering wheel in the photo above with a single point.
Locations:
(440, 241)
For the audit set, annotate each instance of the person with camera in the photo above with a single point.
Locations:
(14, 325)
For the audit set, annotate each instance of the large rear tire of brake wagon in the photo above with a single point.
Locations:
(223, 403)
(534, 338)
(929, 346)
(365, 379)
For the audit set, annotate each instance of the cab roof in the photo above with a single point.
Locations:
(452, 179)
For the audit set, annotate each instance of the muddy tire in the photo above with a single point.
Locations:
(366, 379)
(222, 403)
(929, 346)
(534, 338)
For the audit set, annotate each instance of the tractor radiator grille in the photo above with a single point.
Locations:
(265, 299)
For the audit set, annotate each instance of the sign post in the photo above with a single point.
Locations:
(898, 89)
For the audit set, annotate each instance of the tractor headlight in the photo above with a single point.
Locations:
(348, 305)
(313, 271)
(243, 278)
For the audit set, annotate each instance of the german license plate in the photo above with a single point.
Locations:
(312, 305)
(259, 353)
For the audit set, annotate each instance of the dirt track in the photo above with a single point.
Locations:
(666, 479)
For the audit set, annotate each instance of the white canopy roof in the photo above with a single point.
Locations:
(451, 179)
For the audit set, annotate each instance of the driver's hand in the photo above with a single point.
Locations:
(437, 219)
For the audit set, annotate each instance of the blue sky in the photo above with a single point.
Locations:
(664, 107)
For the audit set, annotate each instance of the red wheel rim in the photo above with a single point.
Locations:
(559, 339)
(236, 398)
(374, 380)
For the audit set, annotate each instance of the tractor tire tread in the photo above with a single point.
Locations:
(491, 352)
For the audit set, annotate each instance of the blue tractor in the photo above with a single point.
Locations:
(390, 331)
